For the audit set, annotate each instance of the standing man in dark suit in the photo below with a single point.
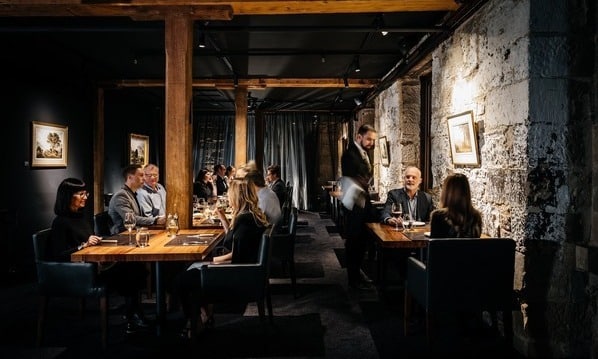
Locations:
(356, 164)
(276, 184)
(413, 201)
(220, 180)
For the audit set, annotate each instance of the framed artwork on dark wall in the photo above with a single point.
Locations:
(138, 149)
(49, 145)
(384, 155)
(463, 139)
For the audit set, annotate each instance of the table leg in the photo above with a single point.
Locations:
(160, 306)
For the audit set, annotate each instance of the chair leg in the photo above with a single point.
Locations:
(407, 309)
(148, 280)
(293, 277)
(41, 318)
(104, 320)
(269, 304)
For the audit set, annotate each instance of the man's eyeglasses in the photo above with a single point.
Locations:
(82, 194)
(154, 175)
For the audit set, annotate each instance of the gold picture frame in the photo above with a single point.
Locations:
(138, 149)
(49, 144)
(463, 139)
(384, 154)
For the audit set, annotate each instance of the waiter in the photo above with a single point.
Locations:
(355, 164)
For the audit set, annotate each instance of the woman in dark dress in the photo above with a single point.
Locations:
(456, 217)
(71, 231)
(204, 187)
(244, 231)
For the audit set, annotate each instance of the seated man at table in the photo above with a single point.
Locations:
(125, 200)
(413, 201)
(152, 195)
(276, 184)
(267, 199)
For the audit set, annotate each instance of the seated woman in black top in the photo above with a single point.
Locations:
(71, 231)
(204, 187)
(456, 217)
(245, 232)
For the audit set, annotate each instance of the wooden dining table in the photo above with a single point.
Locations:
(387, 239)
(188, 245)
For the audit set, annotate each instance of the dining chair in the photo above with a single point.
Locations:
(102, 223)
(65, 279)
(283, 247)
(240, 283)
(462, 276)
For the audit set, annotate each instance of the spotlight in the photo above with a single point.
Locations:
(202, 39)
(346, 81)
(384, 33)
(323, 59)
(235, 80)
(357, 101)
(357, 67)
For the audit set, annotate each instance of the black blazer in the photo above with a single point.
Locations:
(354, 166)
(424, 204)
(280, 189)
(221, 185)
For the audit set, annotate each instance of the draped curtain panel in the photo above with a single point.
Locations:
(213, 140)
(285, 139)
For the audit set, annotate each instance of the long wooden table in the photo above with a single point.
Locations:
(158, 251)
(386, 238)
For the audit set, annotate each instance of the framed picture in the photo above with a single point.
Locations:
(138, 149)
(384, 158)
(463, 139)
(49, 145)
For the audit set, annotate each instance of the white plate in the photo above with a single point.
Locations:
(416, 223)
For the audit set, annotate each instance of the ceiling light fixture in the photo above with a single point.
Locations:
(323, 59)
(346, 81)
(201, 39)
(357, 67)
(357, 101)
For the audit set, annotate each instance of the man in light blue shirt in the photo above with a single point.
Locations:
(152, 195)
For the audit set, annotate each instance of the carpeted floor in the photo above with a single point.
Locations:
(325, 320)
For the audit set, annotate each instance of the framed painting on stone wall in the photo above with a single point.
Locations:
(463, 139)
(383, 145)
(49, 144)
(138, 149)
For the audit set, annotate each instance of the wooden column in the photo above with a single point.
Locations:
(240, 126)
(98, 154)
(178, 140)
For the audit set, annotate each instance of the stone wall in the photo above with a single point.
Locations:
(398, 118)
(528, 76)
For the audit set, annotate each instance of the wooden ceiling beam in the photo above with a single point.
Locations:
(254, 84)
(214, 9)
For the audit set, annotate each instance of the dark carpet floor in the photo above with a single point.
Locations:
(325, 320)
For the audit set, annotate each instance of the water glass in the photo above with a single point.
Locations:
(142, 237)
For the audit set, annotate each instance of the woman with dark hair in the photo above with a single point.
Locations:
(71, 231)
(204, 187)
(456, 217)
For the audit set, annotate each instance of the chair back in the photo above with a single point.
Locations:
(102, 222)
(238, 282)
(62, 279)
(465, 274)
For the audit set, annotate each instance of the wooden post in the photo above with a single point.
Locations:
(178, 139)
(240, 126)
(98, 154)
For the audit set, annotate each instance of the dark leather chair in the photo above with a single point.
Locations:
(283, 247)
(65, 279)
(239, 283)
(462, 276)
(102, 223)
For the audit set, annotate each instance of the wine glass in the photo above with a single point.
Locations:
(130, 223)
(408, 222)
(397, 212)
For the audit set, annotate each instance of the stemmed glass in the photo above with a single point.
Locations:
(408, 222)
(397, 212)
(130, 223)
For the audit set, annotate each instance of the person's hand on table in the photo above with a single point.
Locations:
(93, 240)
(393, 221)
(161, 220)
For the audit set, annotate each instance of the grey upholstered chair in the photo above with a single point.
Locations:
(65, 279)
(239, 283)
(283, 247)
(462, 275)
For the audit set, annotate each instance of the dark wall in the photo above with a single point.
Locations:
(29, 193)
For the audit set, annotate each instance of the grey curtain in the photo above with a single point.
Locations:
(285, 139)
(213, 140)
